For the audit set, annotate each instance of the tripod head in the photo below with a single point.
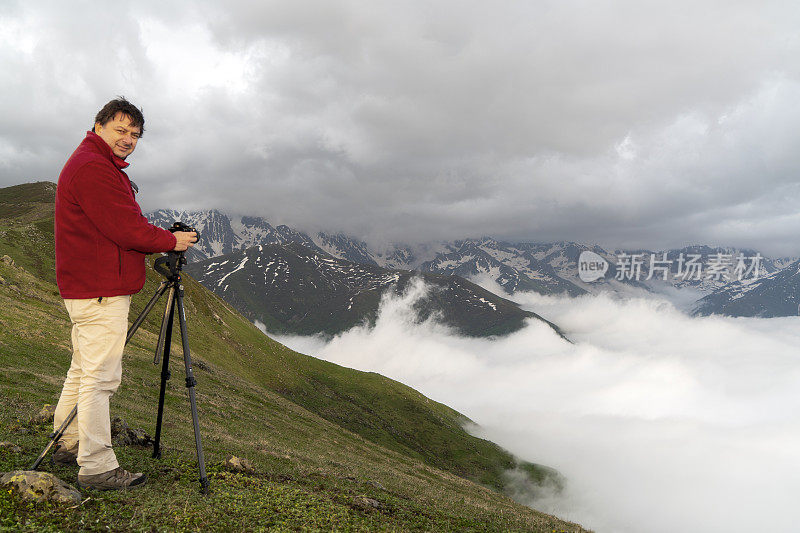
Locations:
(170, 265)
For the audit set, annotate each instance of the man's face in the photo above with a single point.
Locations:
(119, 134)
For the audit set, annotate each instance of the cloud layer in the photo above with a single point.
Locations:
(626, 123)
(660, 421)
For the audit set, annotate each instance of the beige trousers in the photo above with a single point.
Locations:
(99, 329)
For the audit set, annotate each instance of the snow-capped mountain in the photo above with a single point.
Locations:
(546, 268)
(222, 234)
(702, 268)
(216, 234)
(295, 289)
(344, 247)
(775, 294)
(512, 268)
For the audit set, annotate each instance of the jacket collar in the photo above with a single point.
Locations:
(103, 147)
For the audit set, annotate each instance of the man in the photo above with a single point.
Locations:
(101, 242)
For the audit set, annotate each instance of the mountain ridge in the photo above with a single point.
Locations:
(294, 289)
(774, 295)
(545, 268)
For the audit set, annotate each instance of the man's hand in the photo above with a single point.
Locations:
(186, 240)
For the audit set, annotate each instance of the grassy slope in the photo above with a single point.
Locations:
(318, 432)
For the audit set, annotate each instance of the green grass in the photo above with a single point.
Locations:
(269, 499)
(322, 436)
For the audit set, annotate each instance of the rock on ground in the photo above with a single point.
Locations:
(364, 502)
(237, 464)
(45, 415)
(123, 435)
(40, 486)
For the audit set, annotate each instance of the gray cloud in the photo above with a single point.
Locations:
(626, 123)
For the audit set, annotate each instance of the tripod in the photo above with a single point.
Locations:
(170, 267)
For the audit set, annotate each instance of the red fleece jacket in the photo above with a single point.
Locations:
(101, 235)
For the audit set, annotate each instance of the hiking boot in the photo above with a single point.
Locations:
(64, 456)
(116, 479)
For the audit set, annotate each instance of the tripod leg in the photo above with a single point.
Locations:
(165, 341)
(147, 308)
(135, 326)
(166, 323)
(190, 383)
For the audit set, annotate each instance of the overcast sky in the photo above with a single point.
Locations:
(628, 123)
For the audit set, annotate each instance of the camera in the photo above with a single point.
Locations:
(180, 226)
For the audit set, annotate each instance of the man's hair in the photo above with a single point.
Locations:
(120, 105)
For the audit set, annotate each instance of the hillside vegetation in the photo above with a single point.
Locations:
(324, 439)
